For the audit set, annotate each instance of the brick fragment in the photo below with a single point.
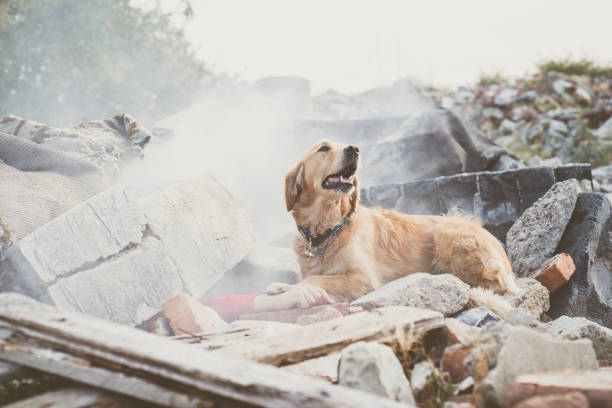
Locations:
(596, 385)
(567, 400)
(187, 315)
(556, 271)
(453, 362)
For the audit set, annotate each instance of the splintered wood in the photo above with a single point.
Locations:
(393, 325)
(141, 365)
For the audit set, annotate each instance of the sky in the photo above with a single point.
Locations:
(353, 45)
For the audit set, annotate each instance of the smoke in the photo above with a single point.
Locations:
(249, 136)
(242, 135)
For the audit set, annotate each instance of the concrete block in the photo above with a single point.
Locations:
(205, 229)
(589, 291)
(83, 237)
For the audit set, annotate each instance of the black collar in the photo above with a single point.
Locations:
(329, 234)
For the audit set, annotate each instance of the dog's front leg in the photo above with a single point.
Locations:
(344, 287)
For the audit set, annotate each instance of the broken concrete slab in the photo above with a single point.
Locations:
(444, 293)
(373, 367)
(534, 237)
(205, 229)
(498, 198)
(127, 289)
(120, 259)
(503, 352)
(579, 327)
(589, 291)
(104, 227)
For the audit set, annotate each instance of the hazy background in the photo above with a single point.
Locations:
(352, 45)
(191, 65)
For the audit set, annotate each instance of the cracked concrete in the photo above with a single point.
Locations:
(120, 258)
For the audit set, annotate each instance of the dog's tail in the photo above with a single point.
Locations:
(485, 297)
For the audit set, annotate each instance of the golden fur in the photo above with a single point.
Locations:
(380, 245)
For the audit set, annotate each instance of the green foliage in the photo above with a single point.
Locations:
(490, 79)
(571, 66)
(69, 60)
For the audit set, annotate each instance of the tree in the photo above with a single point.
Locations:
(69, 60)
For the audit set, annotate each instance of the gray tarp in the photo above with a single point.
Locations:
(44, 171)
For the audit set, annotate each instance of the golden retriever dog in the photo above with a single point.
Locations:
(350, 250)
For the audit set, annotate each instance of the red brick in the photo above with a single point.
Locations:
(596, 385)
(453, 362)
(556, 271)
(291, 315)
(567, 400)
(187, 315)
(459, 332)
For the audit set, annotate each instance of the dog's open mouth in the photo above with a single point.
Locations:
(343, 180)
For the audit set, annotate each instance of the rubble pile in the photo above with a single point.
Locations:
(94, 278)
(548, 119)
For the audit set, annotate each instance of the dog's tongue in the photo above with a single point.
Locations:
(334, 179)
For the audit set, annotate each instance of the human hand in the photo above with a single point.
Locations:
(302, 295)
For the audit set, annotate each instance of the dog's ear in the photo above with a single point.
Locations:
(294, 181)
(355, 196)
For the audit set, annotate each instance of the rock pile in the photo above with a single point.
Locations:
(550, 117)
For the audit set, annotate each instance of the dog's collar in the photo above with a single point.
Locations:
(316, 241)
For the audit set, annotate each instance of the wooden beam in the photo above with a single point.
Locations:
(152, 368)
(390, 325)
(73, 397)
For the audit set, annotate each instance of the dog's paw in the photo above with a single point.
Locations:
(276, 288)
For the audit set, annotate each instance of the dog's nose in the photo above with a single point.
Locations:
(352, 150)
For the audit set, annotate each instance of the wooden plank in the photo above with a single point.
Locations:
(102, 354)
(291, 315)
(322, 368)
(389, 325)
(239, 331)
(74, 397)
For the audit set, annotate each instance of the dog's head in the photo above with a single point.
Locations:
(326, 170)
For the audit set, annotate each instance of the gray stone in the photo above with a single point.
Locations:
(497, 198)
(579, 327)
(561, 86)
(533, 298)
(373, 368)
(503, 352)
(605, 130)
(556, 127)
(262, 266)
(422, 374)
(205, 229)
(444, 293)
(506, 97)
(506, 162)
(519, 317)
(478, 316)
(534, 237)
(588, 293)
(603, 176)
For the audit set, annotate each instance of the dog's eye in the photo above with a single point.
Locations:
(323, 148)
